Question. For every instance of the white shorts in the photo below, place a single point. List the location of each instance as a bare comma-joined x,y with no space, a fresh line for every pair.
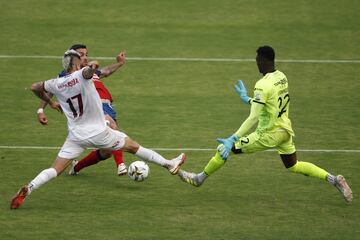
108,139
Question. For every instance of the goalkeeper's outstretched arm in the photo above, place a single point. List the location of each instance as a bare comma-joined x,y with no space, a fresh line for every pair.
251,121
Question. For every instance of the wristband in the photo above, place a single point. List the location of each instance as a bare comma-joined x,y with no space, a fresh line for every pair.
40,110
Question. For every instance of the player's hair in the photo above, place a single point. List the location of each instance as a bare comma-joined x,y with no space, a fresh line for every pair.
266,52
77,46
68,58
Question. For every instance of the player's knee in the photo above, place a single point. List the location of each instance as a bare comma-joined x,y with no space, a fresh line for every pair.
289,160
104,154
130,145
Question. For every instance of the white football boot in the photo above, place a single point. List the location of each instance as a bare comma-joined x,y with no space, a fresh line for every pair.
190,178
72,170
176,163
343,187
122,169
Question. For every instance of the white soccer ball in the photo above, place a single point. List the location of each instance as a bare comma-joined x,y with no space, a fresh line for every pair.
138,171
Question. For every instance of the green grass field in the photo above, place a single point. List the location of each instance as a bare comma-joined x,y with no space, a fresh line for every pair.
184,104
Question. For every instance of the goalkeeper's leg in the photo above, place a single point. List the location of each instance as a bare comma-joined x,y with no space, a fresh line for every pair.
215,163
305,168
309,169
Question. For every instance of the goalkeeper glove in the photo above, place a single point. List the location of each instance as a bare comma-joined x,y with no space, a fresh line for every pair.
242,92
226,145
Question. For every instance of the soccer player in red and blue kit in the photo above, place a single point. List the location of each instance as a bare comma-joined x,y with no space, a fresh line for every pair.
109,111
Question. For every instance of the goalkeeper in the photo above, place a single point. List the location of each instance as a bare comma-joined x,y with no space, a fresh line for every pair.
270,111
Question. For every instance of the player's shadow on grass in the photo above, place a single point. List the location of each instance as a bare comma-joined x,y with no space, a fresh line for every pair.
107,182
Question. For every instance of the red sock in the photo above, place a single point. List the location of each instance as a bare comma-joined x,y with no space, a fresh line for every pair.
118,157
91,159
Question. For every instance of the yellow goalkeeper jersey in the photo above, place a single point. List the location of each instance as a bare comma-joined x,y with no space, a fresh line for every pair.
272,91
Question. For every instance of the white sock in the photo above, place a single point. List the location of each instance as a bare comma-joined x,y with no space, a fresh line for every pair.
331,179
152,156
42,178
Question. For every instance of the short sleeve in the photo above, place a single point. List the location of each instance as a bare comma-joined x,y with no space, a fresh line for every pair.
79,74
260,93
50,86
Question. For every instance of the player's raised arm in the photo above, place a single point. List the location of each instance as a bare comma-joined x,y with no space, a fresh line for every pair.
110,69
242,92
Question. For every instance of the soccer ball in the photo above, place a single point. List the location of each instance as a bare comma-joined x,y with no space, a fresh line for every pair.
138,171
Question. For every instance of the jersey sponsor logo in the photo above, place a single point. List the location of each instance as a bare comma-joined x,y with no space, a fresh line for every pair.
258,89
282,82
71,83
257,96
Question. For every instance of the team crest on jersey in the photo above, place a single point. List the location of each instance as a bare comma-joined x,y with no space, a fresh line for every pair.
257,96
115,144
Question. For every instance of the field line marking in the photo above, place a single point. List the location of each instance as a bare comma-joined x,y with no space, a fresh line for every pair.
183,59
188,149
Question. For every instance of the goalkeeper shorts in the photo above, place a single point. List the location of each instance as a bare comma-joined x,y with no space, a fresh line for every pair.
279,139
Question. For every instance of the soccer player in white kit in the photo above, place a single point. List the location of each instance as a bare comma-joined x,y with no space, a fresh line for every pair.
81,104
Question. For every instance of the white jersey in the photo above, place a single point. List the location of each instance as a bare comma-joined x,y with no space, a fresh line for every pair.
80,103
